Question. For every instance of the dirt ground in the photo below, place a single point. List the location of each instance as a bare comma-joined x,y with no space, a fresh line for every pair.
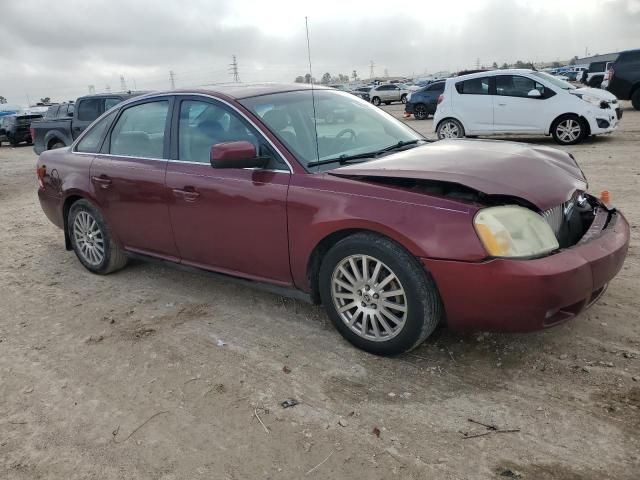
155,373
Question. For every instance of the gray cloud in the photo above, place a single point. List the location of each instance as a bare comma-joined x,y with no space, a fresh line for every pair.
95,42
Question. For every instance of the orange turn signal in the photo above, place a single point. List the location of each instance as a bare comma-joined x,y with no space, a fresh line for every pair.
605,197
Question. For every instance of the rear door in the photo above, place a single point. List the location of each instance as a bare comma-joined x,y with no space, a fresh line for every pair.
514,110
231,220
128,176
473,105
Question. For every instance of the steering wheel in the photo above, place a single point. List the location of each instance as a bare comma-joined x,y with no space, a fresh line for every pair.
344,131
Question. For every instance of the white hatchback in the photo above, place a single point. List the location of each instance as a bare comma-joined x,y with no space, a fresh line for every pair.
525,102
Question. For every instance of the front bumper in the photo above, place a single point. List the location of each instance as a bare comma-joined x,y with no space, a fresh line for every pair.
525,295
603,120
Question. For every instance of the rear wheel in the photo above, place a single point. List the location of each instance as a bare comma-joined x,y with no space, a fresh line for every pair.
635,99
376,101
56,144
568,130
450,128
377,295
420,112
92,241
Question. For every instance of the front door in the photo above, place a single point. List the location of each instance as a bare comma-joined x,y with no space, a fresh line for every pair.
228,220
514,110
129,179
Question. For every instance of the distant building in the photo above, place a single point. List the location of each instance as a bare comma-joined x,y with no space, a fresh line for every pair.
608,57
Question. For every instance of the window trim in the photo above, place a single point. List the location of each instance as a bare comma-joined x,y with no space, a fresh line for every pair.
543,96
174,98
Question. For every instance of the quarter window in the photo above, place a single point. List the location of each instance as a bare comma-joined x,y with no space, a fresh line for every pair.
92,140
474,86
140,130
516,86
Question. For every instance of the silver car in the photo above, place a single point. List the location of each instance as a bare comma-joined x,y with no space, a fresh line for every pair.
389,92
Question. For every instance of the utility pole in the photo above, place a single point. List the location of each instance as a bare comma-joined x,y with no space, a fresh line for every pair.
386,73
123,84
478,63
107,88
172,79
92,89
233,68
371,66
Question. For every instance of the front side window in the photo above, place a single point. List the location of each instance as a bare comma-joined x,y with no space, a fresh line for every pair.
92,140
516,86
109,103
344,125
89,109
140,131
475,86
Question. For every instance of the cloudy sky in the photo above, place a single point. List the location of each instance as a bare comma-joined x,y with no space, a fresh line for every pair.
58,49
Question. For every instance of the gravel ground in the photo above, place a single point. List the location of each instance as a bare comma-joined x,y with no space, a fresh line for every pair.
155,373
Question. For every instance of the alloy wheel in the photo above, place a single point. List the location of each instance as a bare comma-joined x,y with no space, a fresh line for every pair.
449,130
89,238
568,130
369,298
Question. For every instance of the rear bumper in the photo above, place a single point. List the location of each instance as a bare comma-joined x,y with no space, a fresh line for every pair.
526,295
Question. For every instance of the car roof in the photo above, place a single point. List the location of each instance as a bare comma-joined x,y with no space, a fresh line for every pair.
246,90
124,95
492,73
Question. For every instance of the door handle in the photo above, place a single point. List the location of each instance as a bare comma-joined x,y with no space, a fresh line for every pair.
188,193
103,181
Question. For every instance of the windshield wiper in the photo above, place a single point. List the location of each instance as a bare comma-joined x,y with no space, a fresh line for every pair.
342,159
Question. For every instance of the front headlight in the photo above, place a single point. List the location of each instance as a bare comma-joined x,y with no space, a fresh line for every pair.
512,231
591,99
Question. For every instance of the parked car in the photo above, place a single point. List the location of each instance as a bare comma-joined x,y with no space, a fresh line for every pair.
623,77
524,101
423,102
571,75
235,181
15,128
595,73
362,92
61,131
388,93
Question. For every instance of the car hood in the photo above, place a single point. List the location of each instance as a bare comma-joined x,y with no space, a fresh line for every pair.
599,93
545,177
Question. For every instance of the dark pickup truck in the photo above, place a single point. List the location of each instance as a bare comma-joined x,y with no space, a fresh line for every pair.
623,77
63,123
15,128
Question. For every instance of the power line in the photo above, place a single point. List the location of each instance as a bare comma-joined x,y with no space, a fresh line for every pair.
233,68
172,79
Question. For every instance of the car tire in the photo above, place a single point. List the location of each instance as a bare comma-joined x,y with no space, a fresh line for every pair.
92,240
378,327
568,129
595,82
450,128
376,101
420,112
403,98
57,144
635,99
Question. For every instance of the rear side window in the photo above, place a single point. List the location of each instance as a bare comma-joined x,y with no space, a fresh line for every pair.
109,103
92,140
475,86
436,87
597,67
139,132
52,112
89,109
630,57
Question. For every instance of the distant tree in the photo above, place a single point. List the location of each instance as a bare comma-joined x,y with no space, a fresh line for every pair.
45,100
519,64
354,75
504,66
299,79
307,78
326,78
573,60
556,64
494,65
2,99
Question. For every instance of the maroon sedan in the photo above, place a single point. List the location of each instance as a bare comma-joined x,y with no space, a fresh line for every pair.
391,233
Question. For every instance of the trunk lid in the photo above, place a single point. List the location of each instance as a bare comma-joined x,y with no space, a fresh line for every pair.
545,177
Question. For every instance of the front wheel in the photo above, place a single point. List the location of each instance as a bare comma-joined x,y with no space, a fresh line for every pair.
568,130
376,101
450,128
377,295
91,240
403,99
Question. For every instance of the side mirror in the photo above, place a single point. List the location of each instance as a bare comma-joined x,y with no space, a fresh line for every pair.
534,93
236,155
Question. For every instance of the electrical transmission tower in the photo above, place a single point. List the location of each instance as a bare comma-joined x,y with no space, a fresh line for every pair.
233,69
172,79
371,66
123,84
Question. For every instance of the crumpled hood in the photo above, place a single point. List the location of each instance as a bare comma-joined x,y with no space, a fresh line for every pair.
595,92
546,177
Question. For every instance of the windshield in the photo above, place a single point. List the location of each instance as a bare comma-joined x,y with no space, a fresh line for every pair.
346,125
554,80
